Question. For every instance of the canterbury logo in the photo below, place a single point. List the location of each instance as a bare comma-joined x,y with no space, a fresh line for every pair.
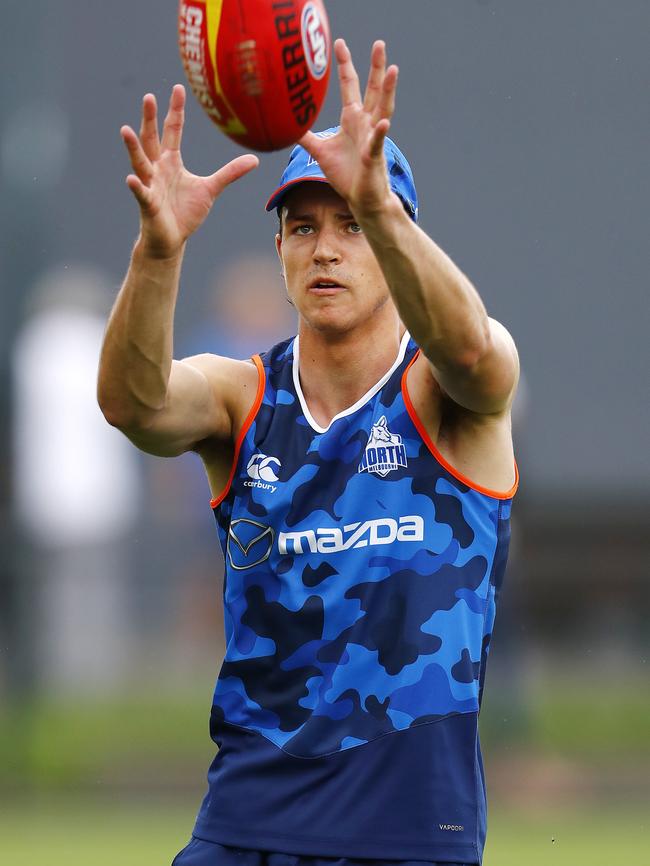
370,533
263,470
261,467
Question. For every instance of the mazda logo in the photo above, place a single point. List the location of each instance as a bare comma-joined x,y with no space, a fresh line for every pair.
249,543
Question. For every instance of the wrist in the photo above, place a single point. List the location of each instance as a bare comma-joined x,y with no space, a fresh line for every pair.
147,250
389,212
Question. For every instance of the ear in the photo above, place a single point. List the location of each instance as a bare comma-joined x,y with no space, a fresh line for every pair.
278,249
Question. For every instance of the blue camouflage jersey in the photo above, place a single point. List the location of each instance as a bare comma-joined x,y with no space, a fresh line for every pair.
361,579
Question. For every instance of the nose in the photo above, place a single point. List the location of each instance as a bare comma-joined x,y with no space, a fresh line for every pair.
326,249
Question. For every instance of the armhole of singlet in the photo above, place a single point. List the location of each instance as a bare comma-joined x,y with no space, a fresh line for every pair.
410,408
261,384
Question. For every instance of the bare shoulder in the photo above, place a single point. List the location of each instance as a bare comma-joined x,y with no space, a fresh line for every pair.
477,445
238,386
207,398
233,383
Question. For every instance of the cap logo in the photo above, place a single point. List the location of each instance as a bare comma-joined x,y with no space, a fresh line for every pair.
314,41
326,133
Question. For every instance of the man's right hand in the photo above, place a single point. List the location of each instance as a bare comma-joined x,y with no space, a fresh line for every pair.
165,406
173,202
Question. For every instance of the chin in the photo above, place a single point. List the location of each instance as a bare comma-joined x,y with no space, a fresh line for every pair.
330,326
333,322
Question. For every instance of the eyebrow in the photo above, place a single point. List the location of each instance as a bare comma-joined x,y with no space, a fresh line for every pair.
309,217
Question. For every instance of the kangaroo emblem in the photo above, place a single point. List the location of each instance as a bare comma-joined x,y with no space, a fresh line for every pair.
384,452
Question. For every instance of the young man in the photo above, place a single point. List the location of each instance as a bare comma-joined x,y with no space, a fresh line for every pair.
362,476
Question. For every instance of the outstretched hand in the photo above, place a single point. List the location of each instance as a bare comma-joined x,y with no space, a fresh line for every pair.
353,159
173,202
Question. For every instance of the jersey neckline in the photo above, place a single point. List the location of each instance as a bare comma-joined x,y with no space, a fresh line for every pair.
360,402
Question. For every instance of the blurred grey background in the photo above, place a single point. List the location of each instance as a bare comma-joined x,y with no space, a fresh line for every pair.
527,127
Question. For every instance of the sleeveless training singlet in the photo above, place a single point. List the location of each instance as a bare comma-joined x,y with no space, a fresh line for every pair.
361,578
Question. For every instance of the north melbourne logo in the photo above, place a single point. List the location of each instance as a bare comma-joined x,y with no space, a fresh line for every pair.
263,470
384,451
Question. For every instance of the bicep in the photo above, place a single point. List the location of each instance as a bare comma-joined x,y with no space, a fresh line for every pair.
489,385
199,405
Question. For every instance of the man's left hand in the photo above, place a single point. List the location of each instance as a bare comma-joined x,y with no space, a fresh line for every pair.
353,159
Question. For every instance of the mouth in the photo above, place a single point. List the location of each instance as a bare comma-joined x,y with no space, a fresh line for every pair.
324,286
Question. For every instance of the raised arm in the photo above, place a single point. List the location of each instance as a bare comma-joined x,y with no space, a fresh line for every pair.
473,357
165,406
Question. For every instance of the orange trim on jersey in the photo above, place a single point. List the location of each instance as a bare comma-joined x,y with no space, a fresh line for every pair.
432,448
244,430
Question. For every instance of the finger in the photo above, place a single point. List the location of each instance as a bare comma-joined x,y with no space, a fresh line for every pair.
375,76
231,172
379,133
149,127
139,190
311,143
139,160
173,125
386,105
348,78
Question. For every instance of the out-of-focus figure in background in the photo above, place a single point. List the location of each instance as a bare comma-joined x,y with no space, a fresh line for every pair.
76,487
93,613
245,314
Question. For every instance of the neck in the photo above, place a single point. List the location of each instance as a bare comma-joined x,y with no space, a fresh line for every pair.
336,371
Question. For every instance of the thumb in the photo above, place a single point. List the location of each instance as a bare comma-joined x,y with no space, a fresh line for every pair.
231,172
311,143
140,191
379,133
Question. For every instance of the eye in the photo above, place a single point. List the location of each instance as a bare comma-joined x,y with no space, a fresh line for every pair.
355,228
304,229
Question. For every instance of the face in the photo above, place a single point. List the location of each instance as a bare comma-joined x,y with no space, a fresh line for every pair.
333,278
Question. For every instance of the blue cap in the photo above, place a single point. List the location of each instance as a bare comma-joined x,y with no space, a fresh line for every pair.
302,167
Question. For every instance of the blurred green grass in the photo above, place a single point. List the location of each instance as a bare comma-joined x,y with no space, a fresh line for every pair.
68,743
141,834
81,779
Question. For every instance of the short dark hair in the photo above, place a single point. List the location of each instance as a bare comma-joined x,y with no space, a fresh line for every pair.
281,212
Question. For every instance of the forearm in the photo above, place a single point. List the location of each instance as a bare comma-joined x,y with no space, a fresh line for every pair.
137,352
435,300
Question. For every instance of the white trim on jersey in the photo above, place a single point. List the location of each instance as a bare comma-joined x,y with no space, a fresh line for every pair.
371,393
